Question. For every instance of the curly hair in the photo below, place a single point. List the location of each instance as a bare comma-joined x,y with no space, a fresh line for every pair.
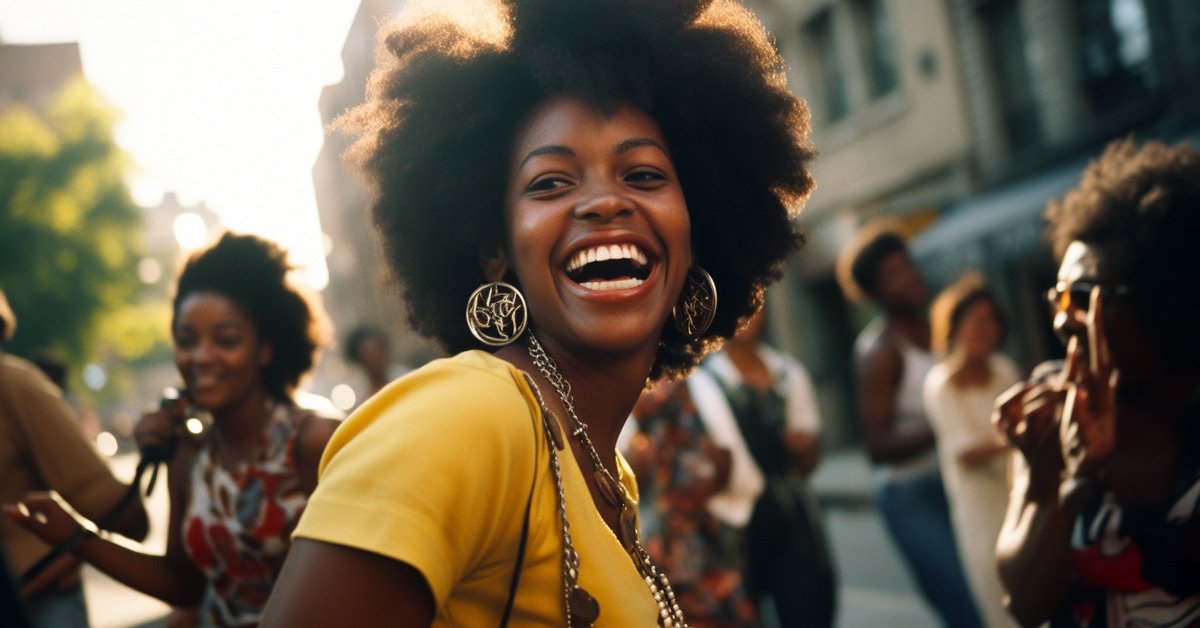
858,262
252,273
948,308
445,105
1146,202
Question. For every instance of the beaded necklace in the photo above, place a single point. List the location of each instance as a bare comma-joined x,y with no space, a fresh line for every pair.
582,608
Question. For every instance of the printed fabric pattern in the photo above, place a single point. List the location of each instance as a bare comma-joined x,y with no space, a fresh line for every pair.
1128,562
683,538
239,523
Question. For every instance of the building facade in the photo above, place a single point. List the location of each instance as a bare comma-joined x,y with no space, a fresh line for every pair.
358,292
961,119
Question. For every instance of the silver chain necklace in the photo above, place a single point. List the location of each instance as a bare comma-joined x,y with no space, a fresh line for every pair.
669,613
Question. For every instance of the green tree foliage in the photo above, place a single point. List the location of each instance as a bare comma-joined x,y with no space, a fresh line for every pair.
70,233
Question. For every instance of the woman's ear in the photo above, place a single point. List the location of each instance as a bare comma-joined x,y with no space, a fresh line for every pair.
494,263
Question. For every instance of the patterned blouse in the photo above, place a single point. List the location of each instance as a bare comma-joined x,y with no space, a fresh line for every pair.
238,525
701,555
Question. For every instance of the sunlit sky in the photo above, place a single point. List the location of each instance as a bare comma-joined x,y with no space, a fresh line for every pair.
218,99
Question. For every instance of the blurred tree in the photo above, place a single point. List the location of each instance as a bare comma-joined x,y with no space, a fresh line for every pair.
70,233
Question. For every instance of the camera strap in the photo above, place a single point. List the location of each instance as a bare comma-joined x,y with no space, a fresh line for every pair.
144,463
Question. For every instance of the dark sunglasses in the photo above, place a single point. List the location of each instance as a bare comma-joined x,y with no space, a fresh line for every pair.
1078,294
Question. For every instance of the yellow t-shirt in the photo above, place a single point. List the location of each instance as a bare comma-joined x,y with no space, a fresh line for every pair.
435,471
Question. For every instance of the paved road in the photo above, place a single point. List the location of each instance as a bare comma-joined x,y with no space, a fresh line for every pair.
875,590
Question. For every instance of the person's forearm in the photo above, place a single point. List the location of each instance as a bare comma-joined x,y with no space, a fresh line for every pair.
1033,551
156,576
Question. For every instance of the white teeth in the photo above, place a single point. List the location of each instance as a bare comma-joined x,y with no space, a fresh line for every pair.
203,380
621,284
606,252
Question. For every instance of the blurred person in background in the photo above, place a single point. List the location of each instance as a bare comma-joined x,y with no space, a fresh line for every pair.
762,404
892,359
679,467
1103,524
960,392
726,456
370,349
244,336
43,449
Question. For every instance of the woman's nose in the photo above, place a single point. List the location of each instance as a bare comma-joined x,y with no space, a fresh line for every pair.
605,202
201,352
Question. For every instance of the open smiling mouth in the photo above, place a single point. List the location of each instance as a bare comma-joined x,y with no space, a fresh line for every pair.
609,267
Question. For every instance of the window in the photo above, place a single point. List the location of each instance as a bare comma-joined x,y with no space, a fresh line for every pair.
875,39
1005,47
827,62
1115,53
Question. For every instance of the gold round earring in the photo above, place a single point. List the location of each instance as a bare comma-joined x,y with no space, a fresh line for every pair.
697,306
496,313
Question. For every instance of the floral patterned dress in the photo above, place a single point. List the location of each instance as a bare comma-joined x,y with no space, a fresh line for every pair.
676,476
237,529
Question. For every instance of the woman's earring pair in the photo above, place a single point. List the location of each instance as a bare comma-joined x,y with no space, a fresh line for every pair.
497,314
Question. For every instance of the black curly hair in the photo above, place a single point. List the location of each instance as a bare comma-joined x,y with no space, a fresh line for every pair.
252,273
1146,201
445,105
858,263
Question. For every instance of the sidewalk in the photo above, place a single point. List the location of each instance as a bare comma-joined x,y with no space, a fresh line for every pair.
874,588
843,478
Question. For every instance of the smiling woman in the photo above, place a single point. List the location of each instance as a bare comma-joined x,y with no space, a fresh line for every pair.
244,337
602,168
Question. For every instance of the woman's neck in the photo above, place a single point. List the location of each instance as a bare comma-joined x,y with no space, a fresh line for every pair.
913,328
967,371
240,425
749,364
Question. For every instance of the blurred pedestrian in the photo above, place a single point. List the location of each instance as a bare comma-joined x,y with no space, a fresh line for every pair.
893,359
1103,524
563,170
369,348
680,467
43,449
960,392
244,336
760,404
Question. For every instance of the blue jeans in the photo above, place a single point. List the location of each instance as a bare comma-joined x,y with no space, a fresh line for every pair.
918,518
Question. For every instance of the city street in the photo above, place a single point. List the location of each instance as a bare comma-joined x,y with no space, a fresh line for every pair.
874,588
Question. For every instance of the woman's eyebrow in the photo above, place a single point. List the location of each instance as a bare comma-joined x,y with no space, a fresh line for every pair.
635,142
549,149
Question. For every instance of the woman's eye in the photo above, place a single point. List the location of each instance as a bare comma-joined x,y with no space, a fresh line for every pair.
184,341
645,177
229,342
547,184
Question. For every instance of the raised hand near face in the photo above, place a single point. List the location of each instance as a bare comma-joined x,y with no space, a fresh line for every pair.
1027,414
1088,430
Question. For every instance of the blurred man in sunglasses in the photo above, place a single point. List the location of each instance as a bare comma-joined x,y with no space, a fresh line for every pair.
1103,524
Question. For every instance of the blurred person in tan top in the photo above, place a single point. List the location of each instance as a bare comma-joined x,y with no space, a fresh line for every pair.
41,449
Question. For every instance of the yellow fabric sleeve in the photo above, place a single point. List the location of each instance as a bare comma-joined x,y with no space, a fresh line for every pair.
433,471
